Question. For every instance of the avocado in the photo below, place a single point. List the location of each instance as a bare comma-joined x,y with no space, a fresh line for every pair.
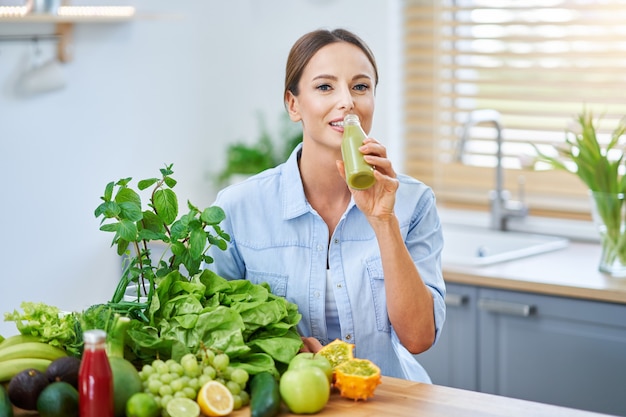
25,387
6,408
59,399
64,369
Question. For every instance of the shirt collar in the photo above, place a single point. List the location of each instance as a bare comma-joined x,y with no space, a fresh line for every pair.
293,202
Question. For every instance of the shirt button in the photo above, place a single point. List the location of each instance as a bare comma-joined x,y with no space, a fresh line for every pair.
338,285
348,336
336,241
317,294
320,248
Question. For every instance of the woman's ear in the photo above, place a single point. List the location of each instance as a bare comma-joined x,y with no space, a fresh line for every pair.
291,104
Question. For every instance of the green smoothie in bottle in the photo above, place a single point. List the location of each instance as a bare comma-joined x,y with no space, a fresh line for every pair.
359,174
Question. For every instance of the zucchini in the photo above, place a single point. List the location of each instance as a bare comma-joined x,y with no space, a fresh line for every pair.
264,395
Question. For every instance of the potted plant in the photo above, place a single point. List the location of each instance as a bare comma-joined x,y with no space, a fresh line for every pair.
244,159
601,169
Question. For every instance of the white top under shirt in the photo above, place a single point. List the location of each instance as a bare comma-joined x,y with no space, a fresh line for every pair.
333,328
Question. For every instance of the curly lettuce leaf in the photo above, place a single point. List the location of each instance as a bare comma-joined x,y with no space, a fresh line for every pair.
50,325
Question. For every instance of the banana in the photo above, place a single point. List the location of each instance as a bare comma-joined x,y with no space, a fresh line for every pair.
17,339
12,367
33,350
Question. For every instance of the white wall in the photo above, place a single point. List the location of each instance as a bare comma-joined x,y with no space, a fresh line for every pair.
141,94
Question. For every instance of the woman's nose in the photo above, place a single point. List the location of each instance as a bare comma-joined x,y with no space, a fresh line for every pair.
346,101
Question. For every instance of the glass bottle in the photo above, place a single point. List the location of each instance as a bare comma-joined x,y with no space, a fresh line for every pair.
359,174
95,379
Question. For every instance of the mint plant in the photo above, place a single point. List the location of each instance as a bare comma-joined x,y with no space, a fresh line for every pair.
187,238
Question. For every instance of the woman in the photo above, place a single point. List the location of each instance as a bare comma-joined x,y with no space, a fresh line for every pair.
362,266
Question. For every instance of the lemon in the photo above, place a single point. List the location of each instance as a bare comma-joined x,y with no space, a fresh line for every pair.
182,407
142,404
215,399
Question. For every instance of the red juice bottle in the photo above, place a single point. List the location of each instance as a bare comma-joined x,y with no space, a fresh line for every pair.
95,379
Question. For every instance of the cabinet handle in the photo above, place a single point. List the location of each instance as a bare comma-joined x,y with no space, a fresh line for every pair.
456,300
505,307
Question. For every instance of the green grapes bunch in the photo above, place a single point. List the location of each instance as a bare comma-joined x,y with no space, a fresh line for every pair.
169,379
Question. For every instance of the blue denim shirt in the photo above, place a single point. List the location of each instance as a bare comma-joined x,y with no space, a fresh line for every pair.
278,238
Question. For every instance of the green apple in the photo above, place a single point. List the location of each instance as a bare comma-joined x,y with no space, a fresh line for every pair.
306,359
304,390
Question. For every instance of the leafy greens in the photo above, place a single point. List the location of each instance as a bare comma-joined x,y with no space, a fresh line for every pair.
244,320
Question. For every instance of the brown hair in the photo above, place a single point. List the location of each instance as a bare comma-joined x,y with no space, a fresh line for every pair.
303,50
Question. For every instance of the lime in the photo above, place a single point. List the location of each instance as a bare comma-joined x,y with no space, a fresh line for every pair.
182,407
142,404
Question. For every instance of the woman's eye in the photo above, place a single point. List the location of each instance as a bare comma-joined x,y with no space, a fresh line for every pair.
361,87
324,87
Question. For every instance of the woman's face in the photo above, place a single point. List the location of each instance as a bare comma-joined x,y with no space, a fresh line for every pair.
339,79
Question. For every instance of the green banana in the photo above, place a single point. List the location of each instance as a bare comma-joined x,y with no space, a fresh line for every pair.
12,367
17,339
33,350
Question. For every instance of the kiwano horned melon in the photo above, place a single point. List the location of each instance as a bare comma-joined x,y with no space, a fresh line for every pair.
337,352
357,379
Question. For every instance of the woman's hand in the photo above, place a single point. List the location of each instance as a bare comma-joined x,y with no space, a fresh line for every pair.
311,344
376,202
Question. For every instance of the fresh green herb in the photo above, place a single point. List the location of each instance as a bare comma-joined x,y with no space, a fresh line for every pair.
187,238
186,313
50,325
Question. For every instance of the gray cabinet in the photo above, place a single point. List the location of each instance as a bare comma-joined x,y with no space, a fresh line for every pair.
541,348
452,361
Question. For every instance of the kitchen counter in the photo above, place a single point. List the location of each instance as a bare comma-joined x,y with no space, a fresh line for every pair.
401,398
569,272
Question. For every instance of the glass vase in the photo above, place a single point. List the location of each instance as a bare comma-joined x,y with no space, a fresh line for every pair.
609,215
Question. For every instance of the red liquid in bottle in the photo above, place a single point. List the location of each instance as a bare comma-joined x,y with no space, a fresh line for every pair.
95,380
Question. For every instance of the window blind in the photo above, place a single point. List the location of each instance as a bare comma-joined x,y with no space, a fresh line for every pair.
538,63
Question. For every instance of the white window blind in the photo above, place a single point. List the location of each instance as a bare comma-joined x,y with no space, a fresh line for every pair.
538,63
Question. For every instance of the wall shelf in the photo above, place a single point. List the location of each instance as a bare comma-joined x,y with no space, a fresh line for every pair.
64,21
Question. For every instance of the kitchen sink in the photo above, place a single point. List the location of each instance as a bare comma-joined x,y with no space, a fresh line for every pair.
479,246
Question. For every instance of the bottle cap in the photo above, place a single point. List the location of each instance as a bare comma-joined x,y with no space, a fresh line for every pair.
94,336
351,118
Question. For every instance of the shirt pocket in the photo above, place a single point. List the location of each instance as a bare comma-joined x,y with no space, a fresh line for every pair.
277,282
377,284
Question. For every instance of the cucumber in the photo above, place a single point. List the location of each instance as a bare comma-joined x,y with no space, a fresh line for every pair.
264,395
6,408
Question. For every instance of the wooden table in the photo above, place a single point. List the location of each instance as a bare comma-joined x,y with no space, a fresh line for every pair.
401,398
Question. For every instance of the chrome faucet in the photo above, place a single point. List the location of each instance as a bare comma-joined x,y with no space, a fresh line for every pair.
502,208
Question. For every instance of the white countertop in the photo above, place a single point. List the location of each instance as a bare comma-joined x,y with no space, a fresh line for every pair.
569,272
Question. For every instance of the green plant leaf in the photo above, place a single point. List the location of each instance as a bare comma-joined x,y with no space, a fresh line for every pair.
213,215
180,228
130,211
108,209
110,227
166,205
197,243
127,230
108,191
171,182
143,184
127,195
